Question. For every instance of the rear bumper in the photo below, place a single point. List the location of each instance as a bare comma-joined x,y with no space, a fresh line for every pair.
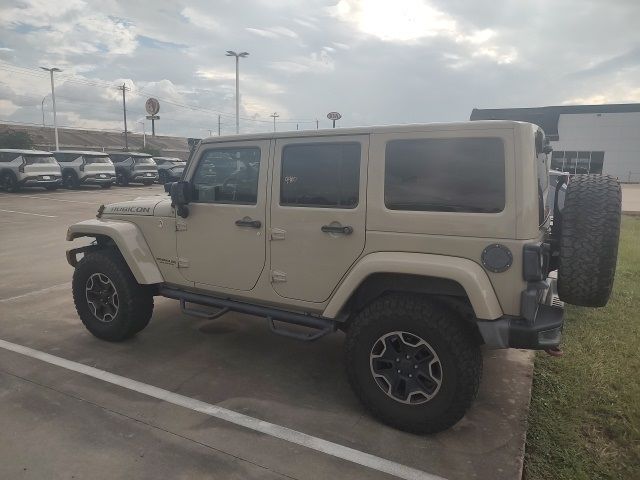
98,178
143,177
40,180
540,331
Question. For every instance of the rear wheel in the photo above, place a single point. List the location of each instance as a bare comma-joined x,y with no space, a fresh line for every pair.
413,363
590,230
105,185
112,305
70,180
9,182
51,187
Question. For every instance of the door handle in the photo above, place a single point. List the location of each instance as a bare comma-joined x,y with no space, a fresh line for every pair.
247,222
346,230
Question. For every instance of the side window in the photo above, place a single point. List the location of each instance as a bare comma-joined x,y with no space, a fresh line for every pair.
228,175
325,175
8,157
445,175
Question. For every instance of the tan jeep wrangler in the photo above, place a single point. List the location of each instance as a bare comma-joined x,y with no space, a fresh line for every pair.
421,242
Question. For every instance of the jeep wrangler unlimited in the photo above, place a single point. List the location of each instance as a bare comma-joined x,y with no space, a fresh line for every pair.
421,242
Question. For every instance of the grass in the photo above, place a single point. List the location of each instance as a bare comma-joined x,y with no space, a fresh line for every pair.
584,421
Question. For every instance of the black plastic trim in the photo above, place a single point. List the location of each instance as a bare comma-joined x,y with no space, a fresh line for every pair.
525,334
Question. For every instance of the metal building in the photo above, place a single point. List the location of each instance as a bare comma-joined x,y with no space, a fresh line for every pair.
585,138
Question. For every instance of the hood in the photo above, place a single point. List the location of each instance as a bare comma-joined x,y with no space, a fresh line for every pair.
142,206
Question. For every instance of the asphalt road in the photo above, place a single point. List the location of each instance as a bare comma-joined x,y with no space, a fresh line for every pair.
62,422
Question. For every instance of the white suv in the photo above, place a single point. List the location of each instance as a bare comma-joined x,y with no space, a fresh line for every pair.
134,167
32,168
85,168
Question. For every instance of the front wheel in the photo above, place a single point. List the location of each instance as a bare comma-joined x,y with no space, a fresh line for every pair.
112,305
413,363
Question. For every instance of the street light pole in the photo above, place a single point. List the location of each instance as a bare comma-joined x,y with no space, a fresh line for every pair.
274,115
144,135
231,53
53,99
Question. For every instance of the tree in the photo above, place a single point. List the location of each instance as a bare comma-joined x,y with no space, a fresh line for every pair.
11,139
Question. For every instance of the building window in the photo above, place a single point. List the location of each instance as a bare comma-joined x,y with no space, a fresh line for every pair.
577,162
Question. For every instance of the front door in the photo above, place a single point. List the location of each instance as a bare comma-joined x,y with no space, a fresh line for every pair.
222,242
318,211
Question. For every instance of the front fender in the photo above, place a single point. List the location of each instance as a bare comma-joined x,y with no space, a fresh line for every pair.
467,273
129,240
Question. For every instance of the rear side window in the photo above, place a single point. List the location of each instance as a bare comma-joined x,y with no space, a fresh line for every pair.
6,157
325,175
89,159
34,159
445,175
144,160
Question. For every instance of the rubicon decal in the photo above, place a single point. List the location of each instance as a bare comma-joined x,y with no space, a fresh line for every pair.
128,210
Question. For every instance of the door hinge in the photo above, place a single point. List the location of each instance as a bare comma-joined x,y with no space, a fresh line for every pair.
278,277
183,263
278,234
181,226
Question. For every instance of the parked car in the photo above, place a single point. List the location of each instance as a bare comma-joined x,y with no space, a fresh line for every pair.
85,168
28,168
421,242
169,168
134,167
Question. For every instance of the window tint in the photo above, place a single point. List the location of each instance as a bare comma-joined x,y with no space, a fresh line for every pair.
144,161
228,175
320,175
119,157
8,156
445,175
89,159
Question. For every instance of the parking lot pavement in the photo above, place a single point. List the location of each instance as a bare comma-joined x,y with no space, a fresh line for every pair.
60,423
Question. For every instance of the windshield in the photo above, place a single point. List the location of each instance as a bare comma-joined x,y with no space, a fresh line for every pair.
144,160
89,159
34,159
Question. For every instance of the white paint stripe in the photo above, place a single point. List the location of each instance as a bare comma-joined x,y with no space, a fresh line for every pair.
28,213
284,433
48,199
36,292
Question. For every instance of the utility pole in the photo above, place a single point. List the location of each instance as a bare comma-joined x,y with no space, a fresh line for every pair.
219,125
124,88
53,99
231,53
274,115
317,124
42,107
297,127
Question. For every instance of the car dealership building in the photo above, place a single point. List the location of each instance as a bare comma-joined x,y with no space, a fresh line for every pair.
585,138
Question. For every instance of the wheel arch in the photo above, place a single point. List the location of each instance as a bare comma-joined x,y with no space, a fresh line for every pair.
129,241
439,275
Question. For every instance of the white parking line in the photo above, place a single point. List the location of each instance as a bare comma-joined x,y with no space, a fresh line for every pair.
56,199
36,292
28,213
283,433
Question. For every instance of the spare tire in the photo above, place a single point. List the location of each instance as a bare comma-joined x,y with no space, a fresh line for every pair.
589,235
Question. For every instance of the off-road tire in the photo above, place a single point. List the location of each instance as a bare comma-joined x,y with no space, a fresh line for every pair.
448,335
9,182
70,180
106,185
135,300
589,240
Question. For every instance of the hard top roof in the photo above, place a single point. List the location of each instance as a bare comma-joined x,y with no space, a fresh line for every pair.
405,128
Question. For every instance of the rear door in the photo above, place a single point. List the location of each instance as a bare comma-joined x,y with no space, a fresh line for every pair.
318,212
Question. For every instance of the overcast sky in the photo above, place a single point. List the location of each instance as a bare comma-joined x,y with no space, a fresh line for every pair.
374,61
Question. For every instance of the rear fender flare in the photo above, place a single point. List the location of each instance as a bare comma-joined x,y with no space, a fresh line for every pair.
129,240
466,272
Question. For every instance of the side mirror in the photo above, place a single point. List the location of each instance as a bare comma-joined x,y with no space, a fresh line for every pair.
180,193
